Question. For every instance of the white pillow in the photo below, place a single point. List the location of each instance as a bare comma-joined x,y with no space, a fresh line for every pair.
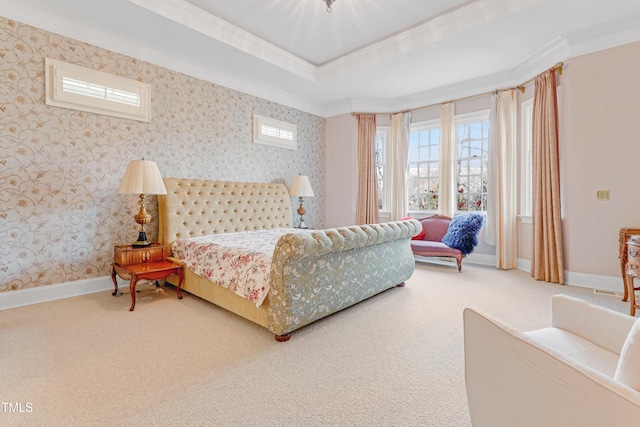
628,370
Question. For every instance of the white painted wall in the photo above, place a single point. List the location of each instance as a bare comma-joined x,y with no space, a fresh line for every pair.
599,101
600,148
342,170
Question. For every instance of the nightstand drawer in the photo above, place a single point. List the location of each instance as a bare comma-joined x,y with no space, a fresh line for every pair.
128,255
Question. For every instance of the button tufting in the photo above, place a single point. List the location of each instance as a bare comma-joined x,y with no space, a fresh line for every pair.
247,206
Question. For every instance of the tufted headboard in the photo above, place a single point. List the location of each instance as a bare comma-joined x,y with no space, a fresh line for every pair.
198,207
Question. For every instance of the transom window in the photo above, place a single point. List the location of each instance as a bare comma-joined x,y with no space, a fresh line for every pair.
80,87
472,150
84,89
423,183
269,131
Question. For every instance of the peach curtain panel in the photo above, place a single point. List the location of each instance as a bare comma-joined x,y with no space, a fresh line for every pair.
502,211
547,262
367,193
446,206
400,135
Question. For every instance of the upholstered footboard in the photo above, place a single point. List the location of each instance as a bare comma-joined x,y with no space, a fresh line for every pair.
316,274
313,274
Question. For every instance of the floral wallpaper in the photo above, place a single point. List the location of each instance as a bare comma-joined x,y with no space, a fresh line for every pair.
60,214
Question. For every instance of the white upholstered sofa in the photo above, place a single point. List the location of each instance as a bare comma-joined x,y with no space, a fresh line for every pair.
584,370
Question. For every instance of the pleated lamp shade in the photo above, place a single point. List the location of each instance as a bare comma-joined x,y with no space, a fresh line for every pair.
300,186
142,177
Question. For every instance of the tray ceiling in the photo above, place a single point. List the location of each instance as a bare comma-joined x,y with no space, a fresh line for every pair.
372,55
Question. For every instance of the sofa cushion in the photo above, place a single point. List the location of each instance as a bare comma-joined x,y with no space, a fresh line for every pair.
463,232
589,321
628,369
576,347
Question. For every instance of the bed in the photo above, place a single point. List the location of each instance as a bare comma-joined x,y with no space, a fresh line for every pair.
313,274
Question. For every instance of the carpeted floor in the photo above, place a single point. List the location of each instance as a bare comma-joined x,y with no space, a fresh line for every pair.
394,360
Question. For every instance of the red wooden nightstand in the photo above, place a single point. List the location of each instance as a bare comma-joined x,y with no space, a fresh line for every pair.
135,263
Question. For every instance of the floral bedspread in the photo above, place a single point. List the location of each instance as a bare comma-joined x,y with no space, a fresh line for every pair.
239,261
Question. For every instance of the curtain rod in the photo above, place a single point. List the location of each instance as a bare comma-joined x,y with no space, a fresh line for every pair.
557,68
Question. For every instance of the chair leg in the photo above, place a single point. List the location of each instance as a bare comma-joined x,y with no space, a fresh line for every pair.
631,294
459,260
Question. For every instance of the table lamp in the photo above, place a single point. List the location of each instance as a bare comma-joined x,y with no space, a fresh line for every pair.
142,177
301,187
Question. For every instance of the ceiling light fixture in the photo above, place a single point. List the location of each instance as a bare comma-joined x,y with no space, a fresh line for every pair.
328,3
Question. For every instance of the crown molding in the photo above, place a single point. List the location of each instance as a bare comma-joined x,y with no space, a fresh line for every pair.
612,34
462,19
199,20
560,50
54,19
58,21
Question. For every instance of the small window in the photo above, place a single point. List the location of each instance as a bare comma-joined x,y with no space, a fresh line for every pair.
274,132
84,89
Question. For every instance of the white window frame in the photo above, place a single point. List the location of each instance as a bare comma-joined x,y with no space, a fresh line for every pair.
417,127
460,119
385,133
134,102
526,158
268,131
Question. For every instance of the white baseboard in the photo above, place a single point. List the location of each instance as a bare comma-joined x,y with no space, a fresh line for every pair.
524,265
436,260
22,297
474,258
582,280
594,281
482,259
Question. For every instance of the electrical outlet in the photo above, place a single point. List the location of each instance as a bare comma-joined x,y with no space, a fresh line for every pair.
602,195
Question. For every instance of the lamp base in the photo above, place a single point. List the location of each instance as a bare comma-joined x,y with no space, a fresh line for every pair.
142,240
142,218
301,212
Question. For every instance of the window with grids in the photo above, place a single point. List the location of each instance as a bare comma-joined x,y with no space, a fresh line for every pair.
472,156
423,181
383,134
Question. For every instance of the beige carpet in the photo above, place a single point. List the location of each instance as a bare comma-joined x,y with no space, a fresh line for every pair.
394,360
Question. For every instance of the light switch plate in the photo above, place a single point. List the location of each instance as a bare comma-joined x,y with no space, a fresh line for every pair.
602,195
